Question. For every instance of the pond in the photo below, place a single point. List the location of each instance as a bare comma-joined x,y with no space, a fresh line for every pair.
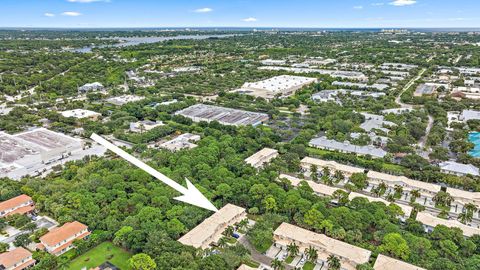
474,137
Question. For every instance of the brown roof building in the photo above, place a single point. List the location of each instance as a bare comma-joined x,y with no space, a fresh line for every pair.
60,240
17,259
18,205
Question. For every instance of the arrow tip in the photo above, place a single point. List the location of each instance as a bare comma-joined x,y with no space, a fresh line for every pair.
195,197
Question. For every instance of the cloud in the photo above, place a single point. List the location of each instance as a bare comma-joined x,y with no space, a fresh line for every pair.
377,4
401,3
358,7
250,19
87,1
203,10
48,14
71,13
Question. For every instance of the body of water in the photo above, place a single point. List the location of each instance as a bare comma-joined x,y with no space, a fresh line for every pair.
474,137
132,41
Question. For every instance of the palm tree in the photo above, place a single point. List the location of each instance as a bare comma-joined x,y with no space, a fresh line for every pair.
326,171
333,262
470,208
398,191
314,172
276,264
390,198
339,176
442,198
229,231
415,194
464,217
222,242
312,254
341,196
293,249
243,224
382,188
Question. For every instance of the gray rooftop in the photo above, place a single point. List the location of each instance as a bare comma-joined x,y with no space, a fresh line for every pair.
324,143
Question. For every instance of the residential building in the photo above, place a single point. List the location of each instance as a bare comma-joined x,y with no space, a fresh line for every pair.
210,230
60,240
375,86
124,99
145,125
466,92
374,121
225,116
397,110
273,62
341,74
279,86
16,259
350,256
89,87
387,263
459,169
430,222
245,267
22,204
347,147
333,166
81,114
262,157
333,95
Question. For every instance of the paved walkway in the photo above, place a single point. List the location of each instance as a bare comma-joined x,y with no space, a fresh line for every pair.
257,256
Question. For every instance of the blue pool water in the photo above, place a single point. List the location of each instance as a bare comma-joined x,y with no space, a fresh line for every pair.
474,137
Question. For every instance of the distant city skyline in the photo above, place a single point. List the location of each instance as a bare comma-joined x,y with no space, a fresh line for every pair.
240,13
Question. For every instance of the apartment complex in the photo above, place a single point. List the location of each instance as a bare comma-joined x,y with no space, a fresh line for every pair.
210,230
346,147
386,263
262,157
430,222
350,256
60,240
17,259
22,204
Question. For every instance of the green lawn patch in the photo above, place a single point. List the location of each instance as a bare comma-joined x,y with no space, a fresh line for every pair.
231,240
289,259
308,266
264,246
106,251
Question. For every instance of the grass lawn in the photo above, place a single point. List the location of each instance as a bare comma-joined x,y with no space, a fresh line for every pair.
289,259
264,246
308,266
106,251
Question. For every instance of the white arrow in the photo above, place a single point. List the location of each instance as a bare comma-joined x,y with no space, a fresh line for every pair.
191,194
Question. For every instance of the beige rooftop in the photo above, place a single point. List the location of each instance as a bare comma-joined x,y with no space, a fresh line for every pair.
433,221
386,263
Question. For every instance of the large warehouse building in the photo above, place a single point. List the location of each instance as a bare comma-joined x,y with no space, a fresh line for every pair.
225,116
279,86
28,153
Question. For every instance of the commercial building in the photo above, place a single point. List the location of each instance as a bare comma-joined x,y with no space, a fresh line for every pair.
89,87
374,121
29,152
262,157
459,169
225,116
341,74
397,66
350,256
430,222
16,259
273,62
146,125
333,95
184,141
375,86
466,92
347,147
122,100
386,263
279,86
22,204
424,89
60,240
210,230
397,110
81,114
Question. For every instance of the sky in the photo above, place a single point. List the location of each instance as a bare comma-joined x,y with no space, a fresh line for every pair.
240,13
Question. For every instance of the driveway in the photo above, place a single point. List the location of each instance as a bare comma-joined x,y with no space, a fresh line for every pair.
257,256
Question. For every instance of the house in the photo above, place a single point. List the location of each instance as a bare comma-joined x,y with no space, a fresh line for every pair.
17,259
262,157
22,204
145,125
430,222
60,240
459,169
210,230
350,256
386,263
89,87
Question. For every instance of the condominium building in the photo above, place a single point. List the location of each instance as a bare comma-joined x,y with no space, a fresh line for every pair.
386,263
17,259
210,230
22,204
350,256
430,222
60,240
346,147
262,157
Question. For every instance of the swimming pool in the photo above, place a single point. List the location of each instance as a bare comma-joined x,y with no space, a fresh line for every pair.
474,137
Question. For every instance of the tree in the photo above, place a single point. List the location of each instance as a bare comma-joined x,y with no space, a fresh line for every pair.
341,196
313,218
333,262
276,264
394,245
22,240
142,261
223,242
229,231
312,254
360,180
414,195
3,247
314,172
270,204
293,249
442,199
398,191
